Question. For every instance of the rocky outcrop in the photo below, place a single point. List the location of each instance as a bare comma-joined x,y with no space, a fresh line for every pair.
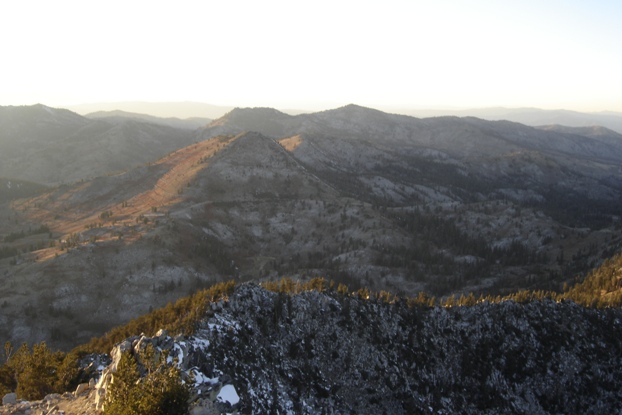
211,390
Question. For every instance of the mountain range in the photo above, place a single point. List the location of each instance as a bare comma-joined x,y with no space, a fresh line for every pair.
143,213
122,116
529,116
534,116
181,110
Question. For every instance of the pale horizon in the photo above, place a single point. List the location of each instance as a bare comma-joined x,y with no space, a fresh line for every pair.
83,108
311,56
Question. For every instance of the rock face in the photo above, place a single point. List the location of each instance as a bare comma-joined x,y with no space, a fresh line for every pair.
212,391
263,352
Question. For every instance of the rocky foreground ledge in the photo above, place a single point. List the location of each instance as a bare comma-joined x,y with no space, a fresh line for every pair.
314,352
209,395
80,402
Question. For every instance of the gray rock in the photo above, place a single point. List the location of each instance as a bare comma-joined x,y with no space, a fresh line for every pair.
162,333
9,399
52,397
81,388
52,410
204,407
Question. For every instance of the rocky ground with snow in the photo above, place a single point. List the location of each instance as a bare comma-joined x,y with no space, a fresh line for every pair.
318,352
311,353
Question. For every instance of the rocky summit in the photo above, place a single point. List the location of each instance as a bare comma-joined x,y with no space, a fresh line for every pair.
324,352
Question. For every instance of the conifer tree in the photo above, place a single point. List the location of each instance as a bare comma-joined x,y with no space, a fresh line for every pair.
36,372
160,392
121,396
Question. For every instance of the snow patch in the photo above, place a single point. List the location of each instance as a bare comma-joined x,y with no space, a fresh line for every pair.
228,394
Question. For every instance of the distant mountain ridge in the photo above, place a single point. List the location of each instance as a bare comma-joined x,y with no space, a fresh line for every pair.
528,116
460,137
117,115
52,146
597,132
181,110
534,116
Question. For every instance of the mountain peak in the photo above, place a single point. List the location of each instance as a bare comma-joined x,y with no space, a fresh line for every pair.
354,108
28,115
355,112
254,112
267,120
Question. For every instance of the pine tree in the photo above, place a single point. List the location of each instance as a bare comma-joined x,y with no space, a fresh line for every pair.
36,372
160,392
121,395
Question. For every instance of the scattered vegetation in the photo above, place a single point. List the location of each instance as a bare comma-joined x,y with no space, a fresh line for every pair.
8,251
107,214
433,235
159,392
602,288
180,317
14,236
34,373
15,189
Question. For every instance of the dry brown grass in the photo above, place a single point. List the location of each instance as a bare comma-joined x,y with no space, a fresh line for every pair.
290,144
74,210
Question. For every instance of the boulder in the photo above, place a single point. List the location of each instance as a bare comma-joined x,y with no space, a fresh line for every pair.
9,399
81,388
118,350
162,333
52,397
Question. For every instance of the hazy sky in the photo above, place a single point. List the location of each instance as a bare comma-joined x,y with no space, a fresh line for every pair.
315,54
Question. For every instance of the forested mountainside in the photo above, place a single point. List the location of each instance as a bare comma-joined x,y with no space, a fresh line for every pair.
443,205
11,189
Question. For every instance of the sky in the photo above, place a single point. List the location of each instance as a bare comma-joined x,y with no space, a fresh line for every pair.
315,54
